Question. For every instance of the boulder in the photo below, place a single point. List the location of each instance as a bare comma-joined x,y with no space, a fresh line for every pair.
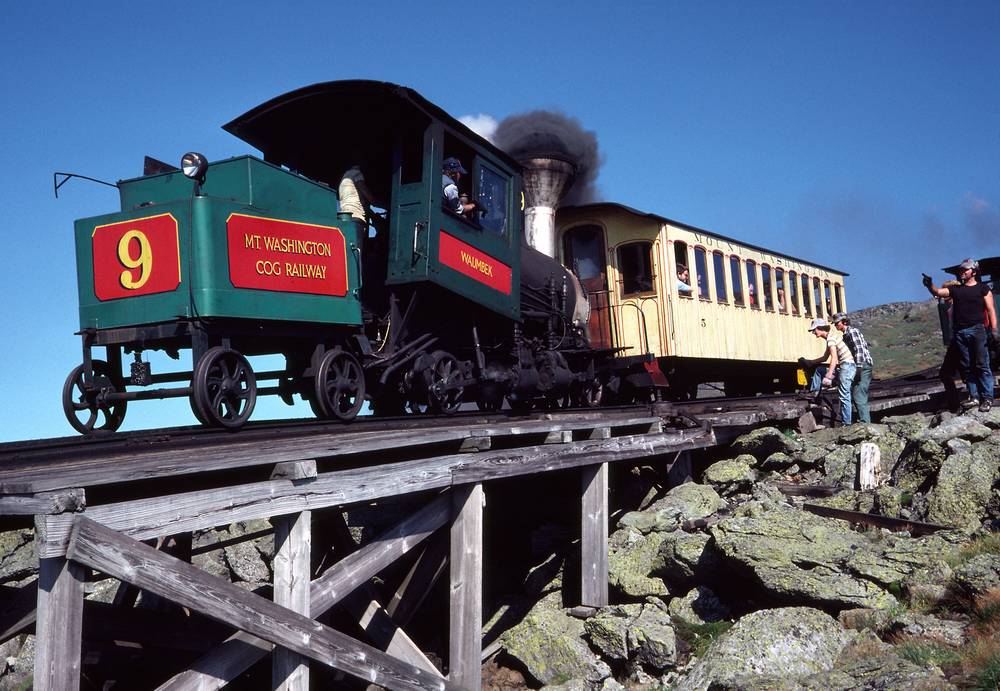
686,502
799,558
632,557
699,606
961,427
549,644
779,461
893,559
731,476
685,559
841,466
762,442
964,487
18,560
978,575
918,464
608,630
651,639
774,643
246,559
907,426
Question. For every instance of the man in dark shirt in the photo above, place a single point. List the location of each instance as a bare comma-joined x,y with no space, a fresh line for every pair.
967,350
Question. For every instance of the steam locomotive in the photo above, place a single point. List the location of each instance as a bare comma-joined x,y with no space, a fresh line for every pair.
251,256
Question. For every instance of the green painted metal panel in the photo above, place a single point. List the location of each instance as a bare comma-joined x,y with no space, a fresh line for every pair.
246,187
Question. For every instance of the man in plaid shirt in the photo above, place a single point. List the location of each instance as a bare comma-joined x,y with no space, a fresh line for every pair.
858,346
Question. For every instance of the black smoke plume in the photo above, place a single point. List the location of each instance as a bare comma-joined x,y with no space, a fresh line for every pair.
551,134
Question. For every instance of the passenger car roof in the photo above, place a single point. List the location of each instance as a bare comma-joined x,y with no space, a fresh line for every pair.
322,130
696,229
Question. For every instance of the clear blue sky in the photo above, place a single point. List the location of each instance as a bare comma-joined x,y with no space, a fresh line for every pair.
860,135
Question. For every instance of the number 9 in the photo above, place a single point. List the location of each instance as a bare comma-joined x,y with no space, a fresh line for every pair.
144,262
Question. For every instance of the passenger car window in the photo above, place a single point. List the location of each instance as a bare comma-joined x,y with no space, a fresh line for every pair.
839,296
829,301
779,284
635,265
737,277
493,194
752,297
817,297
765,285
793,291
806,300
719,264
701,271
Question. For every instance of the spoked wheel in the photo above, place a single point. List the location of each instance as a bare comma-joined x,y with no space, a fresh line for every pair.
87,407
340,385
587,394
521,406
443,380
224,388
489,403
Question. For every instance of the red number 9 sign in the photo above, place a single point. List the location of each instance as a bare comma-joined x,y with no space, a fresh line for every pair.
137,257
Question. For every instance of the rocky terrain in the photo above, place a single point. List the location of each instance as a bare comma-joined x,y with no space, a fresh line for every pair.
726,581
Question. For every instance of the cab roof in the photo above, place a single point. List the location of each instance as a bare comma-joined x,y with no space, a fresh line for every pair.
322,130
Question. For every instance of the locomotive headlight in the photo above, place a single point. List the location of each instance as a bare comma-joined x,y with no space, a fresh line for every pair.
194,165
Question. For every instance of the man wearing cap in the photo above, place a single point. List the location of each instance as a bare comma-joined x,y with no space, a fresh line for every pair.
858,346
836,359
452,172
967,349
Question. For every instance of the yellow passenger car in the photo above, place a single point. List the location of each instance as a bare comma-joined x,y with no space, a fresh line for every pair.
743,320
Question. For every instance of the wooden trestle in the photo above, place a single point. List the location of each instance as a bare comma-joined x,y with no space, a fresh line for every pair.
142,494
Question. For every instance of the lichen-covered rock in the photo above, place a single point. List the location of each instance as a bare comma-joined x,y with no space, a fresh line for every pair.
632,557
961,426
888,501
918,464
245,559
978,574
927,627
699,606
774,643
862,432
18,560
892,559
907,426
608,630
841,466
878,671
731,476
762,442
549,643
686,502
779,460
800,558
685,559
964,487
651,639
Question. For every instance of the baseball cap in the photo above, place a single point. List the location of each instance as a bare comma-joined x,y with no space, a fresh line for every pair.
969,264
838,317
453,163
818,324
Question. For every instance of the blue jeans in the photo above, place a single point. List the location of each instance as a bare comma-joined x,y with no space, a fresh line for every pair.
967,355
845,378
859,392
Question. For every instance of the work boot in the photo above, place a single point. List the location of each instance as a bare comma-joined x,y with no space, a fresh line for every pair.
985,405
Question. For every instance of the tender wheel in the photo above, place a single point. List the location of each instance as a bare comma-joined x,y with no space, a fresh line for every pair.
86,407
443,383
224,388
340,385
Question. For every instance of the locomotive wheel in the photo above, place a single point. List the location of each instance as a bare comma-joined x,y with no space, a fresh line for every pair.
444,392
340,385
489,404
521,406
224,388
78,398
587,394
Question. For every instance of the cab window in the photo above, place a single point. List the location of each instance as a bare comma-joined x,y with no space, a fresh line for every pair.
635,265
737,277
492,194
583,247
719,264
701,273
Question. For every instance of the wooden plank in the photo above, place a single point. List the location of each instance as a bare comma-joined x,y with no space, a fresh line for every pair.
915,528
74,499
383,632
594,536
465,648
116,555
217,667
292,541
156,516
417,584
17,611
58,630
38,474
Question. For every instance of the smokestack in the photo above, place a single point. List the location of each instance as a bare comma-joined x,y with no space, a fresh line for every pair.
546,180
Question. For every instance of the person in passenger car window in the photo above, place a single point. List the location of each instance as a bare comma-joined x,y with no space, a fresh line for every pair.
683,280
452,172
